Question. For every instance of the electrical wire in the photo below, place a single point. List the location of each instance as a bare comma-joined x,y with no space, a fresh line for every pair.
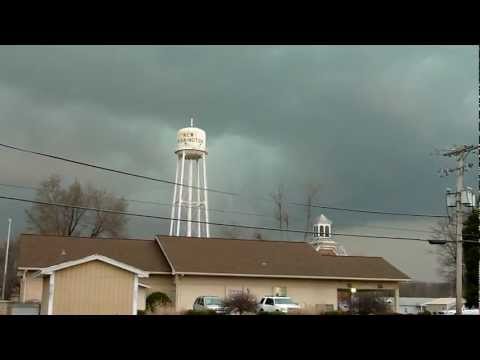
222,224
144,177
20,186
236,212
153,202
370,211
110,169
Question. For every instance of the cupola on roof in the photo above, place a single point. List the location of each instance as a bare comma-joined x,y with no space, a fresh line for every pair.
322,219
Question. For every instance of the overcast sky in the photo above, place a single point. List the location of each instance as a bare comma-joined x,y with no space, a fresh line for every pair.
361,121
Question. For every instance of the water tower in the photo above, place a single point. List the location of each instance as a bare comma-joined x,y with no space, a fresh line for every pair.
191,152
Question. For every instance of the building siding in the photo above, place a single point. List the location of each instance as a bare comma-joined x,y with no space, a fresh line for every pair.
160,283
31,288
433,308
93,288
45,293
141,298
307,292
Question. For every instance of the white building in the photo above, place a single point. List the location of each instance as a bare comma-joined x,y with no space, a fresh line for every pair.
412,305
440,305
435,306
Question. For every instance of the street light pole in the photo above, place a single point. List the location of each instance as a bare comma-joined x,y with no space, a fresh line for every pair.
352,294
6,259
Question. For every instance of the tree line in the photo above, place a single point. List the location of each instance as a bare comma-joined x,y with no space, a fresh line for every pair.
447,254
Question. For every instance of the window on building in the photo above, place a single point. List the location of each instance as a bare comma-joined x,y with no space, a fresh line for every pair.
280,291
233,292
329,307
327,231
321,230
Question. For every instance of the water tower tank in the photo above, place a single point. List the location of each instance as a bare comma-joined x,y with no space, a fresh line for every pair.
192,141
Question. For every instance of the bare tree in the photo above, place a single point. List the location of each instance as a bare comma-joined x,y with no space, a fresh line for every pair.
241,303
425,289
66,221
311,192
281,211
372,302
285,219
447,253
102,222
54,219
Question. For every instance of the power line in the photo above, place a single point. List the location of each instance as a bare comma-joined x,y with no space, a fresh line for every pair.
240,212
152,202
144,177
109,169
236,212
371,211
219,224
209,209
20,186
387,228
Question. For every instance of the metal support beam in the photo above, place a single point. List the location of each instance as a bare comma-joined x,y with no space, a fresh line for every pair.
205,195
189,210
172,214
180,201
199,205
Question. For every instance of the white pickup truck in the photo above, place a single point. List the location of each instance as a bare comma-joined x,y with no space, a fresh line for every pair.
276,303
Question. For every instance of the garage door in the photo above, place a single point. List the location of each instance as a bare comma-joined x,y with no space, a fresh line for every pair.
24,309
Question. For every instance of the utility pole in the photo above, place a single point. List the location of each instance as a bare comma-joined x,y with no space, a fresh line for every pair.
460,153
459,211
6,259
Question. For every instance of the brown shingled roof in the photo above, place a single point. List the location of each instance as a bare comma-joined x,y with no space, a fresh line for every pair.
272,258
39,251
206,256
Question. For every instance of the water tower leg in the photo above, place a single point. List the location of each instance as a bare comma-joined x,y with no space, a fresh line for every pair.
205,195
180,204
190,179
172,214
199,229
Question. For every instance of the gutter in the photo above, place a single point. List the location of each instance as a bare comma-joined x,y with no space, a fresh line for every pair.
165,254
293,276
24,278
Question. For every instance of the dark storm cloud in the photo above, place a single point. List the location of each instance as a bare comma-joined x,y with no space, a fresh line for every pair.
360,120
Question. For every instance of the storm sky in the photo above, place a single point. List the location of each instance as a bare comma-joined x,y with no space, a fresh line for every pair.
360,121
